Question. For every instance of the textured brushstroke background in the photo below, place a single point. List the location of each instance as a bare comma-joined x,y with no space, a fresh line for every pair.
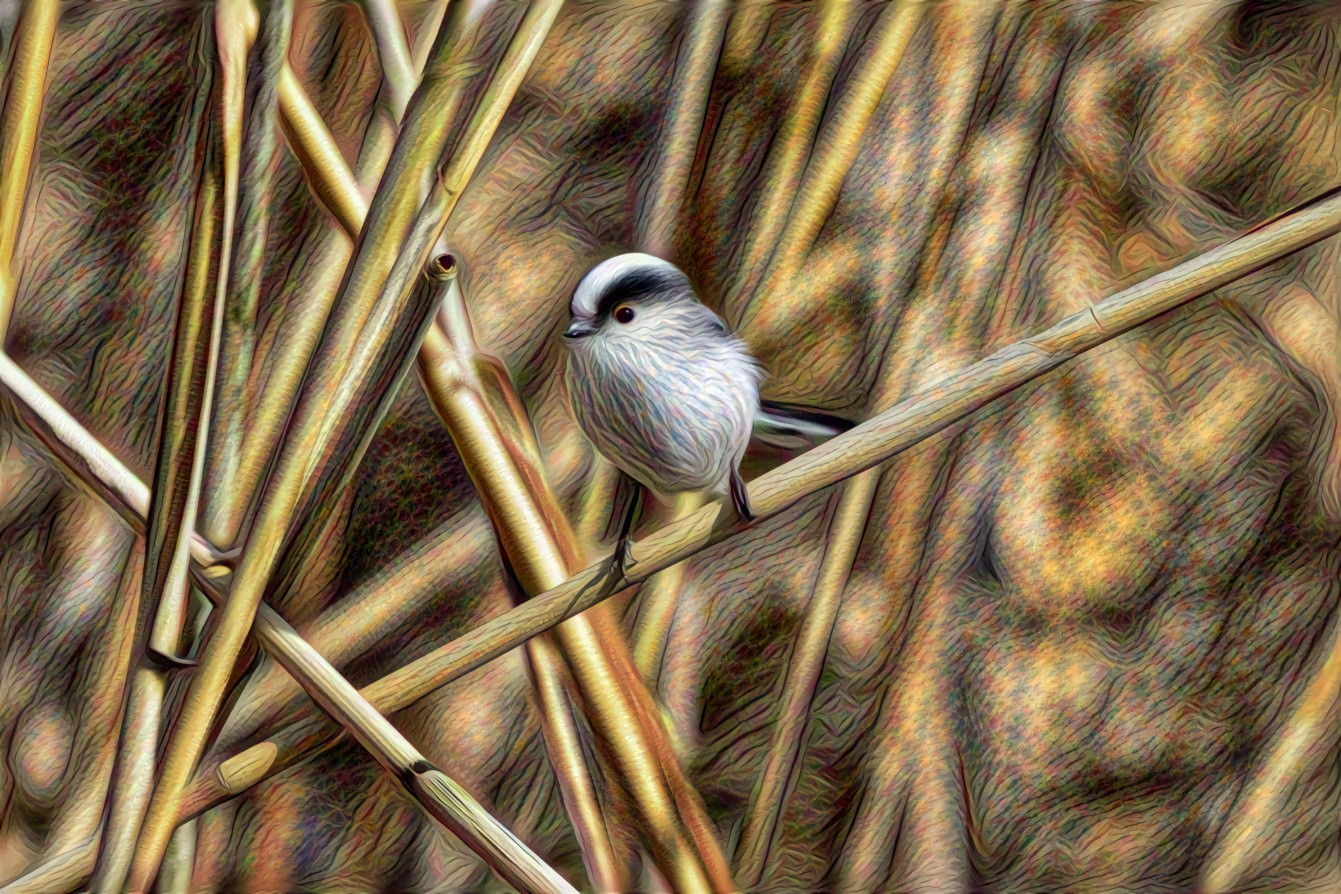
1076,623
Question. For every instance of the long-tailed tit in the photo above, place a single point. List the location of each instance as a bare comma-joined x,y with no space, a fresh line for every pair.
664,391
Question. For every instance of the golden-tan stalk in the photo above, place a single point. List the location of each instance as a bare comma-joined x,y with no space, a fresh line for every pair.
400,75
65,871
684,117
311,142
510,431
34,36
1254,819
787,158
869,444
816,194
315,289
236,23
768,800
428,29
345,394
172,518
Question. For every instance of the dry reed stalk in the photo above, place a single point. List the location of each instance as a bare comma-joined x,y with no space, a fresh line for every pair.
178,471
833,156
768,800
659,596
237,23
319,444
814,201
537,555
274,403
787,156
249,146
394,330
564,744
873,442
314,147
179,861
1253,821
509,434
427,29
399,74
64,872
315,674
33,39
683,125
407,587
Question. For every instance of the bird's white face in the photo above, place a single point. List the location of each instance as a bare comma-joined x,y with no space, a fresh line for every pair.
635,298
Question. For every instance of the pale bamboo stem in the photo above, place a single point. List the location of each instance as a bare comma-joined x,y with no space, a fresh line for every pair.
18,134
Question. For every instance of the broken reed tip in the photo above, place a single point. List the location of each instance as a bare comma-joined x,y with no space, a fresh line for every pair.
443,267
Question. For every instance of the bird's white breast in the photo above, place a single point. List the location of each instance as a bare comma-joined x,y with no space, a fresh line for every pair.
677,417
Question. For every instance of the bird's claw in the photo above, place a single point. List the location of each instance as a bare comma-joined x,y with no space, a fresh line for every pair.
619,559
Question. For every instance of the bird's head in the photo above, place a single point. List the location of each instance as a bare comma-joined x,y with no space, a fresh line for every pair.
636,296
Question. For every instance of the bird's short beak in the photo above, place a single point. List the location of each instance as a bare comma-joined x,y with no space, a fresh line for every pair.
579,329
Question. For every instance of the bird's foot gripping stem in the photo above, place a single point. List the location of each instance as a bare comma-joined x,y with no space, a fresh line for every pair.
740,497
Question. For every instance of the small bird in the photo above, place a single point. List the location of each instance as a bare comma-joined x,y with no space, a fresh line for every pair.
663,389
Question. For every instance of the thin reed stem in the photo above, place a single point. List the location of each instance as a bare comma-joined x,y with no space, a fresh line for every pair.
833,156
178,472
768,800
18,134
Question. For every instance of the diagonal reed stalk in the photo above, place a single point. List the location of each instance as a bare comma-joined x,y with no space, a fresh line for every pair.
249,145
314,293
926,412
768,799
683,125
815,199
399,74
618,706
326,686
1253,822
178,471
830,162
787,157
503,428
250,142
314,147
34,36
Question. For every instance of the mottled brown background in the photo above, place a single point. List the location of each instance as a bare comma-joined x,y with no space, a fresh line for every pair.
1077,621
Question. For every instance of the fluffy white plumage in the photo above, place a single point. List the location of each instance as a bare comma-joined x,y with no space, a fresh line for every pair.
663,390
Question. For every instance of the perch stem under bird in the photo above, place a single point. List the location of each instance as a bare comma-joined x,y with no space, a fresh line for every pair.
665,392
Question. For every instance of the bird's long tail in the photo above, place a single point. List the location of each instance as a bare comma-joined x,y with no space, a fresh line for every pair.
789,427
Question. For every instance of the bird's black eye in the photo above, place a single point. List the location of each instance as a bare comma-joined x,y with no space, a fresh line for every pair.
624,314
